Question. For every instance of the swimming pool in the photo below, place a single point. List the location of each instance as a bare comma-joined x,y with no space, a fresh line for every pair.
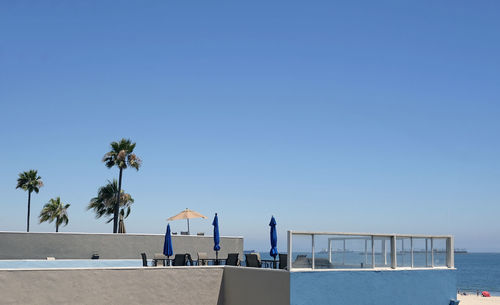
69,263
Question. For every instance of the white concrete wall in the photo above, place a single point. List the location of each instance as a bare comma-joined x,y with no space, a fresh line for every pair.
213,285
22,245
255,286
148,286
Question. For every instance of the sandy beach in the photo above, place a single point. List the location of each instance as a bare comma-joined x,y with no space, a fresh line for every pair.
475,300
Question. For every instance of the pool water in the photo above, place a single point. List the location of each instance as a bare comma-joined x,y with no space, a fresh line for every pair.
69,263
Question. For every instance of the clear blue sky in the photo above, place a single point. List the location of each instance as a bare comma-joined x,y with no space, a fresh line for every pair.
379,116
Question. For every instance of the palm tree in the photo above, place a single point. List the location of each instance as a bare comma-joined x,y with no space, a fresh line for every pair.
55,210
104,203
31,182
121,155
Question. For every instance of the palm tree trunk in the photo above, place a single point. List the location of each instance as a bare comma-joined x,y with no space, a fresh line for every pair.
117,204
57,224
29,207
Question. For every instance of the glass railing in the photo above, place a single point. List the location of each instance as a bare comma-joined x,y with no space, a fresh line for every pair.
334,250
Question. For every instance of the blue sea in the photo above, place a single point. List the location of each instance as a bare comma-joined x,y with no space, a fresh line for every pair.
478,271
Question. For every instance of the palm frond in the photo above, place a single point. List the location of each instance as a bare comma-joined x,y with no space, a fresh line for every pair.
103,204
55,210
29,181
121,155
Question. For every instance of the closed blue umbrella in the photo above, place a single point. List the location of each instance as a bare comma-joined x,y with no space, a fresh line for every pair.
167,246
274,239
215,223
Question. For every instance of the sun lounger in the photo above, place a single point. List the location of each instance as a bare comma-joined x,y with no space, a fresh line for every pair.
160,259
144,260
232,259
202,259
179,260
283,261
189,259
252,260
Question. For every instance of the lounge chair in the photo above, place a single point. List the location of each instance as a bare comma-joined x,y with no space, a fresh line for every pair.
232,259
144,260
202,259
252,260
184,233
200,234
283,261
160,259
179,260
302,261
189,259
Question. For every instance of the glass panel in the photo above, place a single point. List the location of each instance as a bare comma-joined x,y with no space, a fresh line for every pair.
439,252
419,255
322,258
403,246
382,252
350,251
301,251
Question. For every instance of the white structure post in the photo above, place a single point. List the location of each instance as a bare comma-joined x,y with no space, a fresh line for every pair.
289,242
432,252
373,251
394,262
384,251
313,256
450,252
366,251
330,250
426,253
411,251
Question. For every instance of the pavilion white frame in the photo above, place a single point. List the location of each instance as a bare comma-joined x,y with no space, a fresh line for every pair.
367,237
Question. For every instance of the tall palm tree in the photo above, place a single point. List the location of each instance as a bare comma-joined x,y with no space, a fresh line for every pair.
31,182
122,156
104,203
55,210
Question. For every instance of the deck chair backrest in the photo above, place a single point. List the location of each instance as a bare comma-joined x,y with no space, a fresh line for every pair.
232,259
144,260
252,260
179,260
283,261
189,259
202,259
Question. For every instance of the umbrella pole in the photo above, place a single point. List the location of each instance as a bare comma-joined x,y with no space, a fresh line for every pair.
188,227
216,257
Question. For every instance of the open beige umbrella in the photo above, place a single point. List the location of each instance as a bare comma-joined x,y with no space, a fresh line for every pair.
187,214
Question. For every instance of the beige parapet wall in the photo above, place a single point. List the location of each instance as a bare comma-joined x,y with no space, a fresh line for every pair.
151,285
254,286
22,245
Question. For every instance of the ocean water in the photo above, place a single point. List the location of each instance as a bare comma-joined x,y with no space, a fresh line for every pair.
69,263
478,271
